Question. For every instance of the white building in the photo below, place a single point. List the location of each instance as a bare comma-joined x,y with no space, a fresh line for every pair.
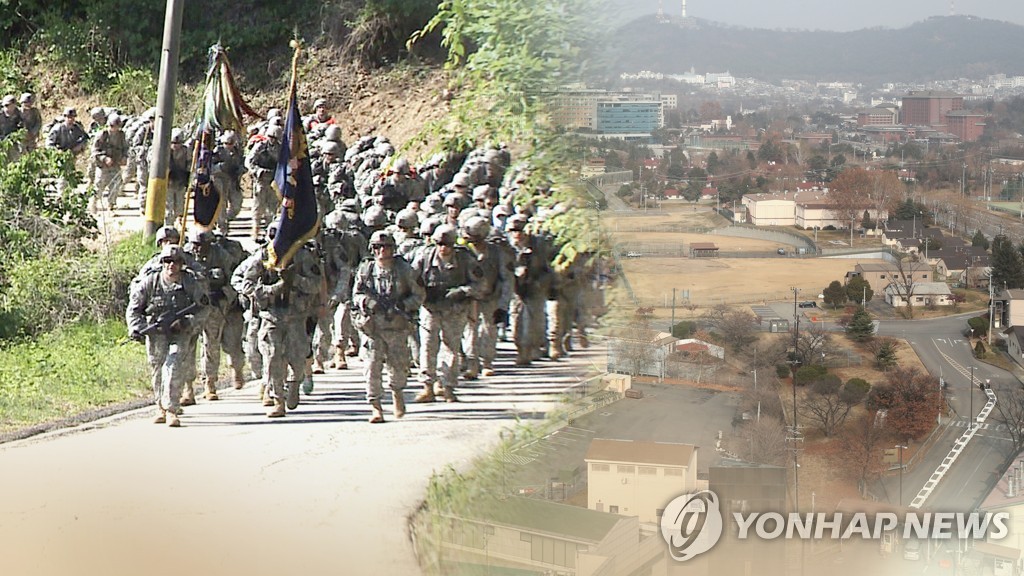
635,478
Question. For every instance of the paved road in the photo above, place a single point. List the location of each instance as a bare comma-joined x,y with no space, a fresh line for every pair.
231,492
318,492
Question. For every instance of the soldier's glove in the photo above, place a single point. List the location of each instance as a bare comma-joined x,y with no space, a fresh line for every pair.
458,294
501,317
179,325
136,336
371,306
521,271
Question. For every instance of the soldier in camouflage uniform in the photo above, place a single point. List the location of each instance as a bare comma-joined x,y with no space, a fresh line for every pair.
110,153
32,119
385,291
218,265
346,248
228,167
165,297
140,142
261,163
285,299
449,276
494,286
530,291
178,175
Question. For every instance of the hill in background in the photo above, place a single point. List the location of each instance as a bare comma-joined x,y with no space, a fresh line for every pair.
939,48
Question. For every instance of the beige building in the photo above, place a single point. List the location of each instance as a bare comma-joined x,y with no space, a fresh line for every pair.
921,294
1009,309
880,275
635,478
1002,557
806,208
527,535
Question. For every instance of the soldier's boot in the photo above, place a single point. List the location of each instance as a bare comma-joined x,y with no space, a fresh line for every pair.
161,416
427,395
278,410
239,379
567,343
340,362
438,389
555,349
188,394
318,367
472,369
293,395
398,401
172,420
352,351
211,391
584,343
377,413
487,371
307,385
265,397
255,232
523,359
449,394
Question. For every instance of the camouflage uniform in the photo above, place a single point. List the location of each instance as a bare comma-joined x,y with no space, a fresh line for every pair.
141,141
177,181
261,163
449,287
110,152
33,121
155,295
285,299
228,167
381,300
495,285
530,292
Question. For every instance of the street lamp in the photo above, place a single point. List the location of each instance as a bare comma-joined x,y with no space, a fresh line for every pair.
901,447
970,390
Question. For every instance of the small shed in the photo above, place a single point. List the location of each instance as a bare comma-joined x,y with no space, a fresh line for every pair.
703,250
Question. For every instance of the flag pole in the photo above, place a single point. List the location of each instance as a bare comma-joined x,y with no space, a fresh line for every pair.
190,185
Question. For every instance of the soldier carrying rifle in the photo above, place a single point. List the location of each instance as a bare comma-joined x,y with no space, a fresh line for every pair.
163,310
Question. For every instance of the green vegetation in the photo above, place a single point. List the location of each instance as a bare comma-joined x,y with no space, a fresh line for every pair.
62,373
861,326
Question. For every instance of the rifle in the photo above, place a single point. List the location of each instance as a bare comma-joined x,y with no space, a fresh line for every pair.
164,321
390,306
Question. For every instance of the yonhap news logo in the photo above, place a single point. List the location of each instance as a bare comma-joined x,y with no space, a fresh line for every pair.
692,524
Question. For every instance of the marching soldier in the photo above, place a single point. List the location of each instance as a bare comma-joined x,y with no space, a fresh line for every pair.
385,292
162,309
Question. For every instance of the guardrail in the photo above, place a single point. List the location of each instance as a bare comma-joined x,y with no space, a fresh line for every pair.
958,448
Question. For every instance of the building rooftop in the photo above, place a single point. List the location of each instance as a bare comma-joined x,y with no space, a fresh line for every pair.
638,452
545,517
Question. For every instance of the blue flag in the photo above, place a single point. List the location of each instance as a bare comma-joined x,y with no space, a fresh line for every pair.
293,179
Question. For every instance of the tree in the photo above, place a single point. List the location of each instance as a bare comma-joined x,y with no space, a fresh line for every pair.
902,285
859,290
861,326
885,354
684,329
906,210
849,194
866,222
835,294
762,441
1007,263
635,344
863,445
855,390
1011,413
828,404
737,327
809,374
713,163
813,346
911,400
979,240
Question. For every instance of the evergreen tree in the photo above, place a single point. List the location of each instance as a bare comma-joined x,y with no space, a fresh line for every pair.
861,327
1007,263
859,290
835,294
979,240
906,210
885,358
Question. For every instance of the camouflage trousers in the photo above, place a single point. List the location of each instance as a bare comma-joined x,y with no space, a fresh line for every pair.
175,204
441,345
251,342
108,186
221,330
344,331
323,337
265,203
563,315
387,347
231,203
527,320
142,181
285,345
165,360
481,336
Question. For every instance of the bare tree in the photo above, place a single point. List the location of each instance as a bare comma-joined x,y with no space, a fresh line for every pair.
849,194
827,406
635,344
814,346
903,285
737,327
762,441
1011,413
862,446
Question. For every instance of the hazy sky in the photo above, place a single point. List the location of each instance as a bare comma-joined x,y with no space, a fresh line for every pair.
841,15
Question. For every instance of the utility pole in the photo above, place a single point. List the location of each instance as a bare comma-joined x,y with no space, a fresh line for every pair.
901,447
991,312
672,327
156,196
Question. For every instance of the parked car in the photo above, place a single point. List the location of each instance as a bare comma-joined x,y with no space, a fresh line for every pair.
808,304
781,251
633,254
